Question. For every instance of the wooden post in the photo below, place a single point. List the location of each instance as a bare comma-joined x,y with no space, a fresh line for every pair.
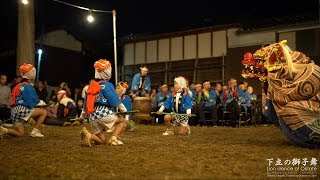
26,33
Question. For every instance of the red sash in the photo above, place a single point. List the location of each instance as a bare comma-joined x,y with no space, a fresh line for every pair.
16,92
92,94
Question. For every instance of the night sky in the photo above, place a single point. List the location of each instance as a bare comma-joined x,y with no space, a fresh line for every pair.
144,17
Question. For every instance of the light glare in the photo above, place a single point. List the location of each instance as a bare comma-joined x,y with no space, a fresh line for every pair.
25,2
90,18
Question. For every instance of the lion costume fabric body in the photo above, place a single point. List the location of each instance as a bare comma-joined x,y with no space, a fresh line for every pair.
292,99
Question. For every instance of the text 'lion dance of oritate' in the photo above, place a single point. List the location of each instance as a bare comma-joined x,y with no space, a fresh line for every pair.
292,97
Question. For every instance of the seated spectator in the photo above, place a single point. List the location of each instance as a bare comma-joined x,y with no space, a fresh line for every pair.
192,87
162,96
208,103
53,99
67,108
218,89
171,89
52,118
235,84
230,102
76,94
15,81
198,89
41,91
5,98
224,88
153,98
63,86
49,89
244,99
250,91
79,106
193,94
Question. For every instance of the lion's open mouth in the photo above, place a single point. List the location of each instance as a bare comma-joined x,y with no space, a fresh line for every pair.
253,68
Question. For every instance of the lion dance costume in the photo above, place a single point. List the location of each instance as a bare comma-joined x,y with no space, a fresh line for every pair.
292,97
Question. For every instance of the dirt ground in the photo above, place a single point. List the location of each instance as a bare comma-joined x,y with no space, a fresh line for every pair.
208,153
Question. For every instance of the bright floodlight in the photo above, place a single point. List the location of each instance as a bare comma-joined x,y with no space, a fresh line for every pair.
90,18
25,2
40,51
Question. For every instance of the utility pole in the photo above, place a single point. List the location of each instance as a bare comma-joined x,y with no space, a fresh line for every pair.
26,30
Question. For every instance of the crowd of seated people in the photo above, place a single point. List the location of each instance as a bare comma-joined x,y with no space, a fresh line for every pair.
65,108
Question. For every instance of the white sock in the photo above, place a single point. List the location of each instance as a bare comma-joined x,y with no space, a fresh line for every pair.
35,129
5,130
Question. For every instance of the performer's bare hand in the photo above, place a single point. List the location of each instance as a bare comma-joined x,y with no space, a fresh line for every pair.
159,112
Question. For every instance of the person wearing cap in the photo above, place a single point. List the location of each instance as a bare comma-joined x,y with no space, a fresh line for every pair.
179,103
162,96
121,89
141,85
23,103
100,101
208,103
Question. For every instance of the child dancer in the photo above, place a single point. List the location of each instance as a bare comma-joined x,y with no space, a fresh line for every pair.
121,89
24,99
100,99
180,103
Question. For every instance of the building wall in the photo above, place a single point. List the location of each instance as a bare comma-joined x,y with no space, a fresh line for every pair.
177,48
249,39
210,55
61,39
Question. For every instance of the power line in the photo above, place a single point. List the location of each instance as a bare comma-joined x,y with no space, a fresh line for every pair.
81,7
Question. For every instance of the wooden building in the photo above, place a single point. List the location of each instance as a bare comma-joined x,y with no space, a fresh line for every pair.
210,53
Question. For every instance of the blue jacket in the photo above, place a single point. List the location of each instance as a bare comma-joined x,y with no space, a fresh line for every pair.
136,83
28,97
185,103
161,99
211,100
126,101
194,96
107,96
239,91
245,100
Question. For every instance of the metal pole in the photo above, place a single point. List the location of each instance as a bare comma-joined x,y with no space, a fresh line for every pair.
195,70
115,47
223,69
166,73
38,69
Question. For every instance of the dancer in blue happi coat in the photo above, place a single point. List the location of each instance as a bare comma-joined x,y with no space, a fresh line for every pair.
141,85
181,105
